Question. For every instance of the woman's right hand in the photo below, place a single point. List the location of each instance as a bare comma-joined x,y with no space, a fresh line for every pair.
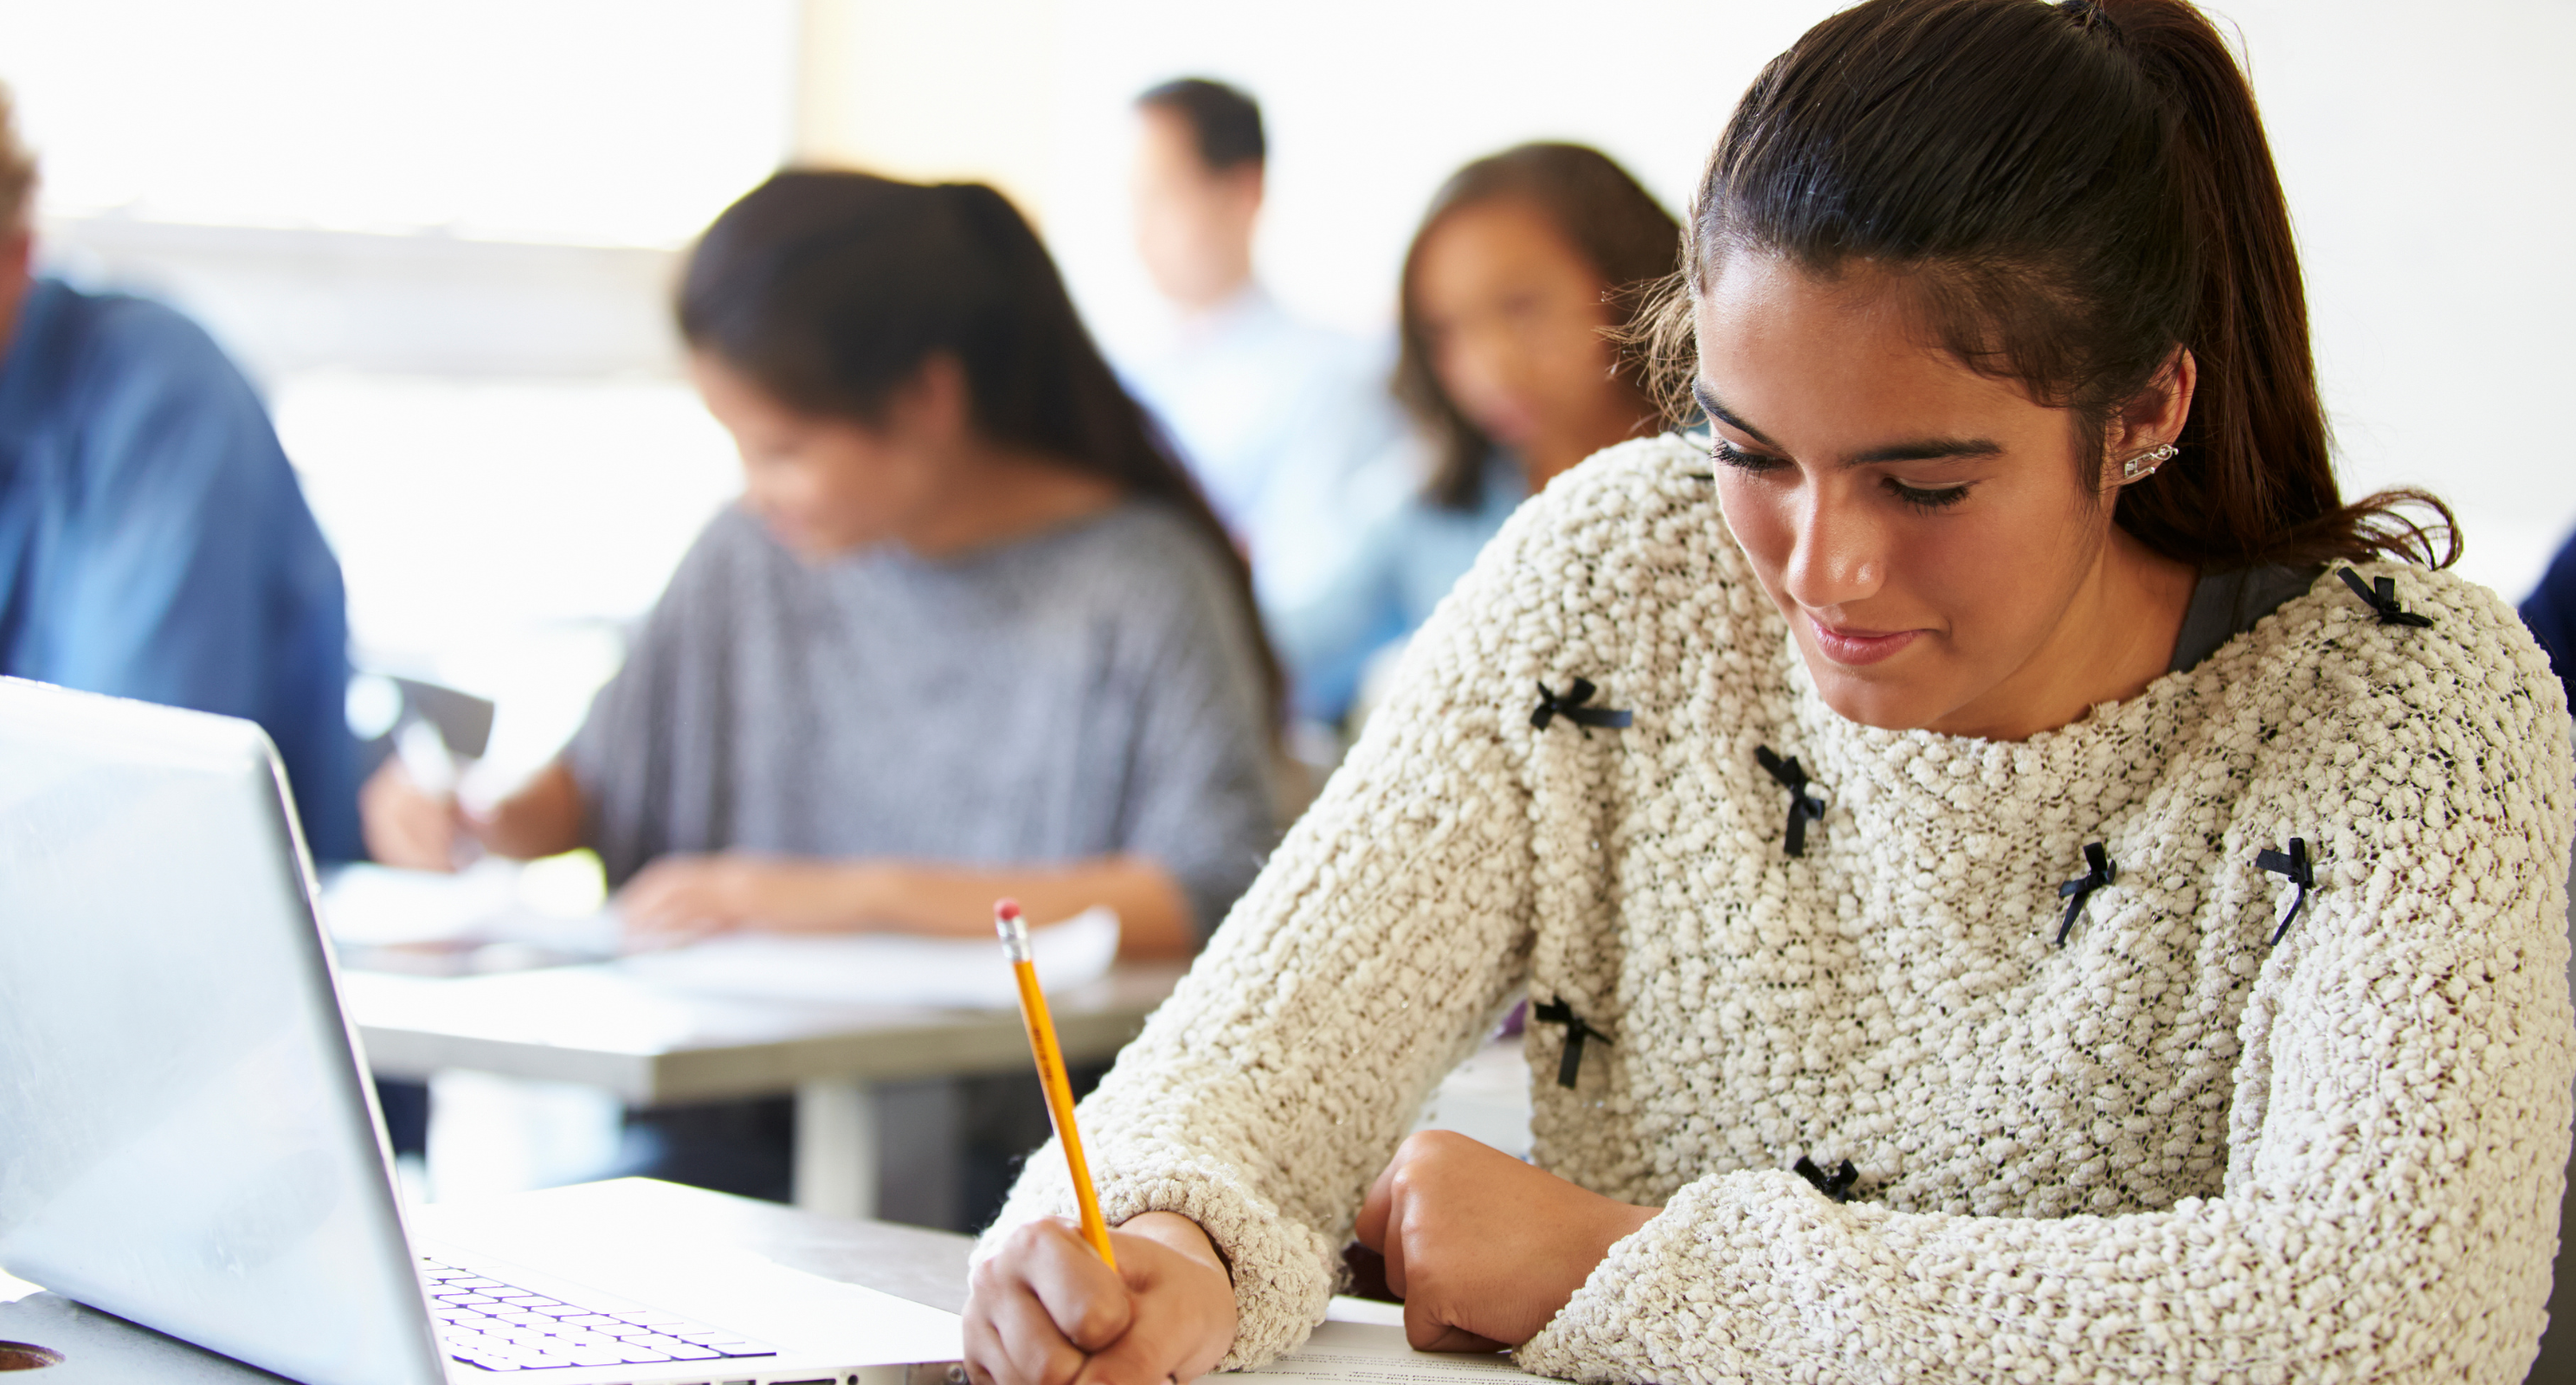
406,825
1045,1309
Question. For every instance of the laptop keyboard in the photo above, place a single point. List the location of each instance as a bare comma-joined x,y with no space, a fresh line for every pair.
500,1327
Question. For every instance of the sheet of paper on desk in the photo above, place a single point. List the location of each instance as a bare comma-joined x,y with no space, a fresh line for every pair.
380,907
882,967
1342,1352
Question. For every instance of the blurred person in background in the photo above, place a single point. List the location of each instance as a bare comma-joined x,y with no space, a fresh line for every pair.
1517,292
1287,425
2550,611
971,632
154,543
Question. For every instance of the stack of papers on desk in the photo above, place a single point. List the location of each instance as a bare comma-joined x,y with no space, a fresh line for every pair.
886,968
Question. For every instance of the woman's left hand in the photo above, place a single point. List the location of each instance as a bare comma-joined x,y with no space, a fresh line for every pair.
1483,1248
680,899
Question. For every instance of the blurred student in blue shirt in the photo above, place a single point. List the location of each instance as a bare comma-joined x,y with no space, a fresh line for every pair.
2550,611
1287,425
1525,273
153,541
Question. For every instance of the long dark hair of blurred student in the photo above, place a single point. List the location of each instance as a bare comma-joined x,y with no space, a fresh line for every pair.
1530,270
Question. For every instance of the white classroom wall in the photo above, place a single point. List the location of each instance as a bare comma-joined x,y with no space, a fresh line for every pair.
2429,152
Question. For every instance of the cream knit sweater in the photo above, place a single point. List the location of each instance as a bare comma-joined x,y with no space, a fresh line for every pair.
2167,1149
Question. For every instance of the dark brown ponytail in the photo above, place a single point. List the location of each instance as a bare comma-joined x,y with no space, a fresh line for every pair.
832,289
2071,191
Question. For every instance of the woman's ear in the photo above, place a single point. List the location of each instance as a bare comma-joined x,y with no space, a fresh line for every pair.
934,408
1241,188
2152,419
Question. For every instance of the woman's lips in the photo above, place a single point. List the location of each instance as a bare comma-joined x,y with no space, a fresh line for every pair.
1857,647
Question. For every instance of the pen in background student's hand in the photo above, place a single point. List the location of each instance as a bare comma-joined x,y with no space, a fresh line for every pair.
1014,931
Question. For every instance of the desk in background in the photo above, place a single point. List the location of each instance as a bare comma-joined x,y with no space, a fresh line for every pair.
650,1044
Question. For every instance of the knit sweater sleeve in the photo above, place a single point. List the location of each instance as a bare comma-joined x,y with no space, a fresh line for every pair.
1374,950
2398,1125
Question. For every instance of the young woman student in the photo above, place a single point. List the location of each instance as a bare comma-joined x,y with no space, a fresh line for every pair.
2014,877
1526,268
970,632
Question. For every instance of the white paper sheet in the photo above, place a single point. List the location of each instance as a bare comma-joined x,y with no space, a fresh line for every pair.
1345,1308
879,967
376,906
394,915
1373,1353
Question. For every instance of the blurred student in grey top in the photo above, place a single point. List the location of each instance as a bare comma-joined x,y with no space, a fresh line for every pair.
1287,424
1520,285
970,632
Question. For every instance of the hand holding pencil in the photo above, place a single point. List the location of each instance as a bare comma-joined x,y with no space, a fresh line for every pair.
1053,1303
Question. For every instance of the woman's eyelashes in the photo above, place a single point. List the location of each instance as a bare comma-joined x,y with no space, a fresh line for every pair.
1924,498
1755,462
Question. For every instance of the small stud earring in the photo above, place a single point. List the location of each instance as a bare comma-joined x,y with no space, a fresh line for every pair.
2143,465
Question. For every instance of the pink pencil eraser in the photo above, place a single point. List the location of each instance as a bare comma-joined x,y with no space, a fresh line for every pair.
1006,909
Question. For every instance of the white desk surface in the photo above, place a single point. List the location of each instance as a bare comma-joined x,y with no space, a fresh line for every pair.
651,1044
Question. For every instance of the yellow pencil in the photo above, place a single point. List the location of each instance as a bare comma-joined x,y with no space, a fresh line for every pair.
1050,1059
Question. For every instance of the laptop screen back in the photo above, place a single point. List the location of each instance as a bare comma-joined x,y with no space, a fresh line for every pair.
185,1138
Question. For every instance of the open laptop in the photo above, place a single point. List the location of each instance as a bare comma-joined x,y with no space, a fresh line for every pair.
188,1139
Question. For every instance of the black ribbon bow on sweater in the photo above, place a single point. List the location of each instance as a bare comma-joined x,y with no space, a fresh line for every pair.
1803,809
2299,870
1576,1031
2100,870
2381,593
1570,707
1836,1185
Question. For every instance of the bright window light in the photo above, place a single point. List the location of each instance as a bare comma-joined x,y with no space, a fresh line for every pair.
496,535
610,122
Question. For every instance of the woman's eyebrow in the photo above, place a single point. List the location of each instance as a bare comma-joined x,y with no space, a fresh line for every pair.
1918,450
1707,401
1929,450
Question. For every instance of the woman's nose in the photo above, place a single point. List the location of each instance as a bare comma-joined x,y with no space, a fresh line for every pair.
1481,361
1836,554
